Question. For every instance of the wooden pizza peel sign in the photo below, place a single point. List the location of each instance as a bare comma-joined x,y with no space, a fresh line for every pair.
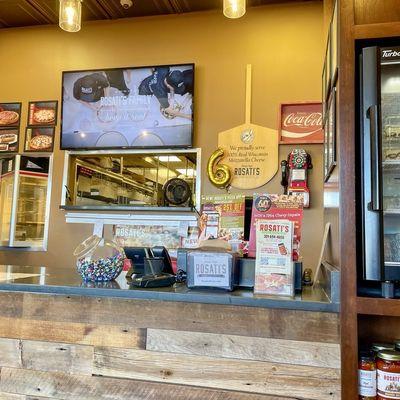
251,151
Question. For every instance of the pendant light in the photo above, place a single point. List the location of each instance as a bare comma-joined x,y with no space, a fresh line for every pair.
70,15
234,8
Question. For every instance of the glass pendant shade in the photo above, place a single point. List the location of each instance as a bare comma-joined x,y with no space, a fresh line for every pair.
234,8
70,15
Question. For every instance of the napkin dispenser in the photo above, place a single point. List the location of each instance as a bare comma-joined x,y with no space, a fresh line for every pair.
210,268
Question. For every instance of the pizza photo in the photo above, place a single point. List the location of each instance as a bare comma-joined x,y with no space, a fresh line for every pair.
41,142
8,117
39,139
9,140
42,113
44,116
10,114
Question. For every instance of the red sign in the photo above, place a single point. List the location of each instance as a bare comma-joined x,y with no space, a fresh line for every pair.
272,207
301,123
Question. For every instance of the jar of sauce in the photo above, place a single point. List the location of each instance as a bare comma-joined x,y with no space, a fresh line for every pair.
367,376
388,373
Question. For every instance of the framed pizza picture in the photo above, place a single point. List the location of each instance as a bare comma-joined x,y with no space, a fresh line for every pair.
10,115
42,113
39,139
9,139
301,123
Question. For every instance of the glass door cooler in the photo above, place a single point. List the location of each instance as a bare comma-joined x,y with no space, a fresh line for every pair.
25,201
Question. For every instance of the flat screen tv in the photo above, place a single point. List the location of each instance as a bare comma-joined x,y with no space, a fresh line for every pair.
142,107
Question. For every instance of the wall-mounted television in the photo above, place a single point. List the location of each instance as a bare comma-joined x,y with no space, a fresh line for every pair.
140,107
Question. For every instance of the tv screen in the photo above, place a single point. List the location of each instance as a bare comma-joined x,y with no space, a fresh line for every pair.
128,108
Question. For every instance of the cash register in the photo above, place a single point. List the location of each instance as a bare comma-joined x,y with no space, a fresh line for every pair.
151,267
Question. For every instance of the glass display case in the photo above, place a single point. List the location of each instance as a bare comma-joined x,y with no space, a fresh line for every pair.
132,179
25,201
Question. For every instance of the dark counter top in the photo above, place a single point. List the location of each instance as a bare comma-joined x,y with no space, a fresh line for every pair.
68,282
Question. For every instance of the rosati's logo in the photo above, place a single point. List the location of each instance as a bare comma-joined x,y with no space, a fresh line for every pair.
389,53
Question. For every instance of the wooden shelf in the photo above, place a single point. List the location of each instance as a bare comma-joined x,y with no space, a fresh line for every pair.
371,31
378,306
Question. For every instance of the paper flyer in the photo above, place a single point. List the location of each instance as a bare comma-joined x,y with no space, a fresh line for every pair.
222,217
277,207
171,235
274,265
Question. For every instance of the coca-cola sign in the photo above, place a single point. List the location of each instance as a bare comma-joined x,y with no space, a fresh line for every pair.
301,123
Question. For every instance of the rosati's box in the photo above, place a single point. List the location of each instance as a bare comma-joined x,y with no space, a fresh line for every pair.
212,269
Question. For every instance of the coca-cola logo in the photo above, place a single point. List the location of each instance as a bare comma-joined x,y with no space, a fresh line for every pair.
301,123
303,120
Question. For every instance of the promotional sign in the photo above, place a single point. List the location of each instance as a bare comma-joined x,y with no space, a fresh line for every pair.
10,119
9,140
252,155
10,114
42,113
146,234
130,107
273,207
222,217
301,123
211,269
39,139
251,151
274,265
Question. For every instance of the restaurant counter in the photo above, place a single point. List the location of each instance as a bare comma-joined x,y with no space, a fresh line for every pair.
61,339
69,282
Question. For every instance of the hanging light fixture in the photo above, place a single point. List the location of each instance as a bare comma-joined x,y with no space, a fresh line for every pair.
234,8
70,15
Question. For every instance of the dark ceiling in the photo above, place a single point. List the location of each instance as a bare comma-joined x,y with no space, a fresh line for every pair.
15,13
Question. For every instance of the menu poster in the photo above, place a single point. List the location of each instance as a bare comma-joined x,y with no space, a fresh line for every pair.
10,114
277,207
42,113
274,265
39,139
222,217
9,140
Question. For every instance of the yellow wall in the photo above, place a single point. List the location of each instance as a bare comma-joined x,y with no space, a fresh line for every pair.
284,43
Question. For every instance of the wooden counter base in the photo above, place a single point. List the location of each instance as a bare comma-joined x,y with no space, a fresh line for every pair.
75,347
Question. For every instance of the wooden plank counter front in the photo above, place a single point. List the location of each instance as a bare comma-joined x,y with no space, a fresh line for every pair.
91,348
63,339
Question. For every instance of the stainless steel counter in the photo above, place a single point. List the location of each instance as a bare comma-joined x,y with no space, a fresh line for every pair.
68,282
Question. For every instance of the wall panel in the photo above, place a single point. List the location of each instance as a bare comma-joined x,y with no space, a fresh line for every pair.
261,354
281,41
